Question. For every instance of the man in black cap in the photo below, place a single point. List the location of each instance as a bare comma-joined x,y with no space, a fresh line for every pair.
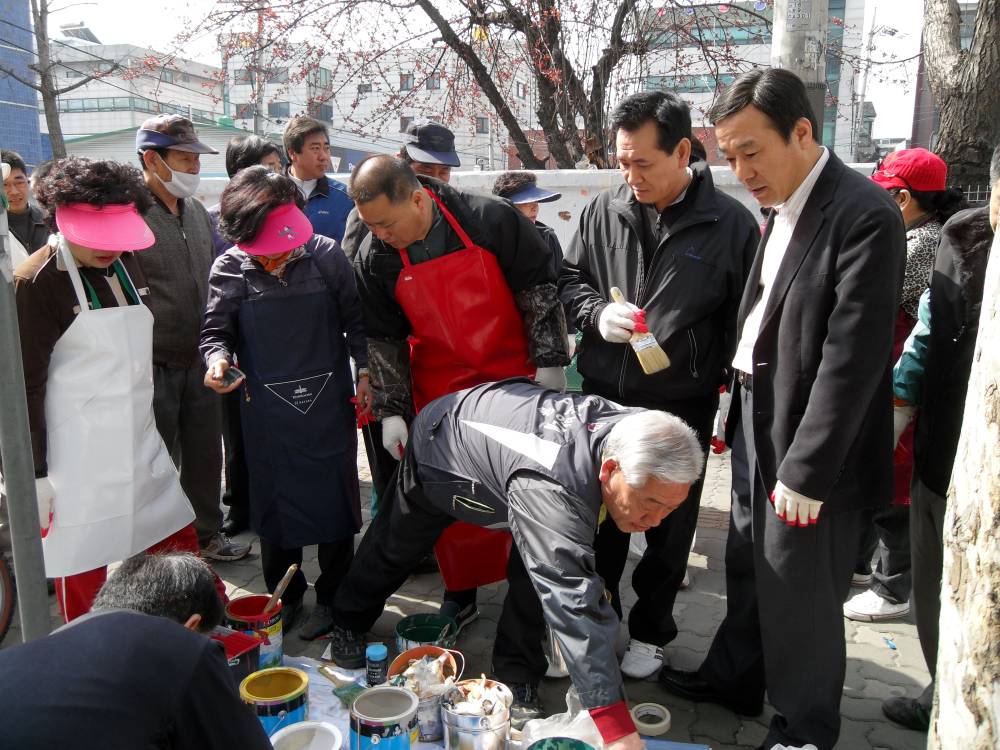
188,415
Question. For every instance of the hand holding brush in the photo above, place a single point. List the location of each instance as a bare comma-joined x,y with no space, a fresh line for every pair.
651,356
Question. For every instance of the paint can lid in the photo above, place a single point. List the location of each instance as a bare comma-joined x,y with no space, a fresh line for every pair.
376,652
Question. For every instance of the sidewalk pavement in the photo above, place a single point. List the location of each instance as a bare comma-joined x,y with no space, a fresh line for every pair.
875,669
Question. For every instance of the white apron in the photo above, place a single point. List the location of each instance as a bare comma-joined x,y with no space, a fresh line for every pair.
116,490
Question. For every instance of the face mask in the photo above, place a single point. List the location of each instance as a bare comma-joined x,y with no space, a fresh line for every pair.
182,185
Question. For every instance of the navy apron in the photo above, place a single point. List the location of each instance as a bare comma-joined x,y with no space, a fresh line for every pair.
298,420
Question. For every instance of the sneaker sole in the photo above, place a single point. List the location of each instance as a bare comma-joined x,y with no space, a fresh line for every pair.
223,558
466,620
861,583
863,617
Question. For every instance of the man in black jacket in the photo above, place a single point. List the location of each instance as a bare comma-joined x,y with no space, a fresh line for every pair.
811,417
27,222
681,249
932,375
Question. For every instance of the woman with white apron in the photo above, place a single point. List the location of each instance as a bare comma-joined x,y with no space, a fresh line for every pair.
105,483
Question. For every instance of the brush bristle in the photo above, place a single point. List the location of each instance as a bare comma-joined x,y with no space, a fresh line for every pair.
651,356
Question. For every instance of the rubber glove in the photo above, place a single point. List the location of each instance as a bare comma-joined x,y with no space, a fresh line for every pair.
394,436
45,494
719,438
616,322
553,378
901,416
793,508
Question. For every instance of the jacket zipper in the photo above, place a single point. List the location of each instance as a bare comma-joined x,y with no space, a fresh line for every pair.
693,341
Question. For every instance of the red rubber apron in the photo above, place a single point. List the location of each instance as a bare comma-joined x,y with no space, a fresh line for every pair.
465,330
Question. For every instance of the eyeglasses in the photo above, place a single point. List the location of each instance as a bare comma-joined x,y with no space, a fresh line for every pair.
879,172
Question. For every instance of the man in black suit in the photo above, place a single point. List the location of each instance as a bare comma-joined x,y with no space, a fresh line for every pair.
811,423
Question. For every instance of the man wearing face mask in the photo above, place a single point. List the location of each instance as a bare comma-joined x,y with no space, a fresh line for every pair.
177,265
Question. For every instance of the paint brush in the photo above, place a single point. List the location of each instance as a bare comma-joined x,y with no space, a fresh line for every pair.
650,353
280,588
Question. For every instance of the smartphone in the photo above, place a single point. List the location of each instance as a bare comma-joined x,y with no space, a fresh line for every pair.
232,375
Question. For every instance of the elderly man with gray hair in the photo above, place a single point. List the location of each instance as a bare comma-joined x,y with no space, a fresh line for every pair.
548,466
137,671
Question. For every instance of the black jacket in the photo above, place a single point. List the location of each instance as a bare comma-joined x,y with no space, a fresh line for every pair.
691,291
38,231
822,391
956,298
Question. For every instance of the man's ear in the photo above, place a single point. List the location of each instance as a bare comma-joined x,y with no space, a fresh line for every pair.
802,132
608,467
193,622
683,151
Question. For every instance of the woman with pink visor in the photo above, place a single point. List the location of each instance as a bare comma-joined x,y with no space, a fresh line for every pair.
106,486
283,306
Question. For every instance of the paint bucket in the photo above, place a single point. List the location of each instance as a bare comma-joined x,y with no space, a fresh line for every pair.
279,697
463,732
426,630
245,614
242,651
385,717
308,735
429,709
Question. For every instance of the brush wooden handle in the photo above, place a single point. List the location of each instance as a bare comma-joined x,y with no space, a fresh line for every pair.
617,296
280,588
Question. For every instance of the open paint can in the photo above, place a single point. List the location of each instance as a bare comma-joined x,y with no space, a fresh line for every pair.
242,651
385,717
279,697
429,709
246,614
308,735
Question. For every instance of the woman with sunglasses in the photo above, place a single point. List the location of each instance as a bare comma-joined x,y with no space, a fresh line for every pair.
916,178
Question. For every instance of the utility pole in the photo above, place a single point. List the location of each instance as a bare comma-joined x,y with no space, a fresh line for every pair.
798,44
859,116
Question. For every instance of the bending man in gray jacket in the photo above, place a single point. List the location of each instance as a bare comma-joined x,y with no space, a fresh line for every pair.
514,454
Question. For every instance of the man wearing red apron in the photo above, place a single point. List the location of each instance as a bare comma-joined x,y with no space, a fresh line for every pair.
457,290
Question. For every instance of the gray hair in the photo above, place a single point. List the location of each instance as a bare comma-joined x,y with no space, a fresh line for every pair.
174,586
655,444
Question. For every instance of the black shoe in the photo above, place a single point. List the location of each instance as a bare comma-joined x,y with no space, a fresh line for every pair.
689,685
347,648
237,521
290,613
461,615
319,622
526,705
428,565
907,712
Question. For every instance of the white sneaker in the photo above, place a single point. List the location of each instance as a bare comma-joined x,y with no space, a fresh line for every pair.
808,746
870,607
641,659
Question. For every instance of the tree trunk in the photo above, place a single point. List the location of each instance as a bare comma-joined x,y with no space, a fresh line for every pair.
964,85
967,703
46,86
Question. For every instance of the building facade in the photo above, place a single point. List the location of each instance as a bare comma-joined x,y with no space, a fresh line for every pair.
19,109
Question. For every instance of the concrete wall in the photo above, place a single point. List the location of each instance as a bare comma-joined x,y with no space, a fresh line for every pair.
578,187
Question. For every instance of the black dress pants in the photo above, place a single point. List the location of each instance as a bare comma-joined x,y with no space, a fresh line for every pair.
887,537
237,494
784,624
334,562
658,576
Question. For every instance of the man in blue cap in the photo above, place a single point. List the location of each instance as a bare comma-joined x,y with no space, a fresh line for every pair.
188,415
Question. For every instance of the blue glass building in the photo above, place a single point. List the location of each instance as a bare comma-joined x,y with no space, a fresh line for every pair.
19,129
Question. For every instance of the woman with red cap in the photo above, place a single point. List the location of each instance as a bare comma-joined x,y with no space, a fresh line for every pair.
283,304
106,486
916,178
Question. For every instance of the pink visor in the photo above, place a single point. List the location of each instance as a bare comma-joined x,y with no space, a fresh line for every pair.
113,227
284,229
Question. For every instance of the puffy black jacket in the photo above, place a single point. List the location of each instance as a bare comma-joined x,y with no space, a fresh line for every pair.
690,290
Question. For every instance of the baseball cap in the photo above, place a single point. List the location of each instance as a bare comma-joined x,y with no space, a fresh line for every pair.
284,229
116,226
912,168
427,141
533,194
170,131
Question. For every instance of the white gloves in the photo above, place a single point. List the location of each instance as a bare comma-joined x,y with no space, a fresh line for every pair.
616,322
793,508
901,416
394,436
45,494
551,377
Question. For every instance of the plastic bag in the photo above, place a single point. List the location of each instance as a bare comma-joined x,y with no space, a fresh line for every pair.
575,723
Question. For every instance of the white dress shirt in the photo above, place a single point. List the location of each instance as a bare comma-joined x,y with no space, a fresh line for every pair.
774,252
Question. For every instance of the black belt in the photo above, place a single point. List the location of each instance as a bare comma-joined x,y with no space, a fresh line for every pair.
745,379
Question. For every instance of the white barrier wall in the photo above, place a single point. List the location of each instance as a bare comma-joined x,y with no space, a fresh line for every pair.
577,188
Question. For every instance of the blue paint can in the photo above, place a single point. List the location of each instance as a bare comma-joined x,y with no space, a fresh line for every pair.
384,717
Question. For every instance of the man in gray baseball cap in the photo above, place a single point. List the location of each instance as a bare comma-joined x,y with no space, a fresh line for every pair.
170,131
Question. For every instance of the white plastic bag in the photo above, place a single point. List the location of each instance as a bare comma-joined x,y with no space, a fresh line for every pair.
575,723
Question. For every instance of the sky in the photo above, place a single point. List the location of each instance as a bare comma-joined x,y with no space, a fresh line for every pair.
155,25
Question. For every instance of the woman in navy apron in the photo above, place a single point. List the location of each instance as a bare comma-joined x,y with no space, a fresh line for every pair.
284,308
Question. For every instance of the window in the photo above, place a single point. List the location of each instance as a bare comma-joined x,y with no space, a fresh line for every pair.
321,78
364,88
278,76
243,111
243,77
321,111
404,123
168,76
434,82
406,81
482,125
277,109
70,73
521,89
